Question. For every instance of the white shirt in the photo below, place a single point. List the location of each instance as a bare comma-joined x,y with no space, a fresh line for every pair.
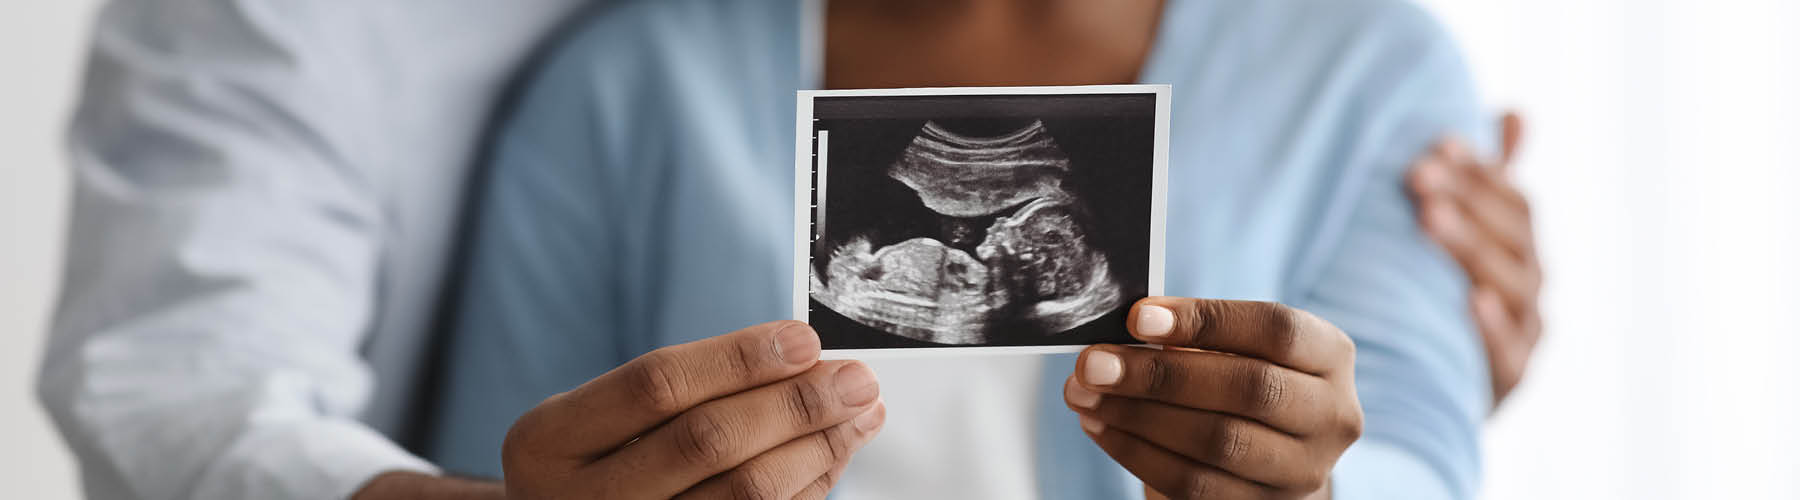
957,427
264,190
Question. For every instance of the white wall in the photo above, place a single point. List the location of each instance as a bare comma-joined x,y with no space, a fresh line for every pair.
1660,157
40,47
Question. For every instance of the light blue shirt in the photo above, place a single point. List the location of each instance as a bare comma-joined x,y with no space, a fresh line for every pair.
640,195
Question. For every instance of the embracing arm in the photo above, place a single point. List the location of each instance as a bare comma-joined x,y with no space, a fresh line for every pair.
1471,208
222,256
1421,373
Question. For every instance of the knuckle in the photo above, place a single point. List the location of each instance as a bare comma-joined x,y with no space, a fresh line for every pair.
1199,484
522,430
512,446
703,439
1199,316
807,403
526,431
820,487
1281,325
1162,376
751,484
1313,479
833,447
748,355
1264,390
654,383
1350,425
1231,444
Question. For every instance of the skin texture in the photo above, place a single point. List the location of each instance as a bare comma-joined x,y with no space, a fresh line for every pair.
938,43
1244,400
753,413
1472,209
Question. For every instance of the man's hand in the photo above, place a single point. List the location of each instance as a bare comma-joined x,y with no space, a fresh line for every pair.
749,414
1245,400
1470,208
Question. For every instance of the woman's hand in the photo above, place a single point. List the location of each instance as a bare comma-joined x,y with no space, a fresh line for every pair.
1245,400
1470,208
753,413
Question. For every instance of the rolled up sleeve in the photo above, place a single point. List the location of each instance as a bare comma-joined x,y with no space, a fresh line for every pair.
221,256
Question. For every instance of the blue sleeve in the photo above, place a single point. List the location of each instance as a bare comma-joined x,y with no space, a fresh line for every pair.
1421,374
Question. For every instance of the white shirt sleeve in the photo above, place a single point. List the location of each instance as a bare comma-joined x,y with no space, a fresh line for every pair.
222,253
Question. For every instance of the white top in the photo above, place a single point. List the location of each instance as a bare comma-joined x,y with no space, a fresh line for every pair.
957,427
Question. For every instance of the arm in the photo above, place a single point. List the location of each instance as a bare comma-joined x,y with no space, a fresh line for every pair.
222,256
1420,372
1470,207
1271,420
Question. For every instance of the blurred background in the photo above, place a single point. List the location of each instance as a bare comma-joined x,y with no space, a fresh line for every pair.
1662,156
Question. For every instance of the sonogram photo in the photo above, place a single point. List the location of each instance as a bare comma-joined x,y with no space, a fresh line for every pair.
980,220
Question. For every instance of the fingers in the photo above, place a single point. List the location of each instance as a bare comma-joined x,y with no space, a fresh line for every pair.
1491,263
1500,336
1239,446
1167,472
806,467
1279,397
1488,202
657,386
721,435
1509,340
1491,314
1267,330
1512,131
1475,211
820,488
1482,221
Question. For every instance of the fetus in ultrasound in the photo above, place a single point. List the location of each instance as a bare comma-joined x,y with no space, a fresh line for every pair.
1011,254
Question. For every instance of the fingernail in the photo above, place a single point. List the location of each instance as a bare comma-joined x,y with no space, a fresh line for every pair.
1103,368
1155,321
1081,396
1092,425
856,384
797,344
871,419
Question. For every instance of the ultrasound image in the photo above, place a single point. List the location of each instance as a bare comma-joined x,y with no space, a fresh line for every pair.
1006,228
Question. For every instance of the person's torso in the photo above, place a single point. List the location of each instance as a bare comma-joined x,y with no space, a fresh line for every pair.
681,225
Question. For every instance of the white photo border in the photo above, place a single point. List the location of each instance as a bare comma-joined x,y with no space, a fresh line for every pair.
803,180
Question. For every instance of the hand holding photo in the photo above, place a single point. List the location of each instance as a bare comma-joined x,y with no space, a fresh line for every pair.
1025,219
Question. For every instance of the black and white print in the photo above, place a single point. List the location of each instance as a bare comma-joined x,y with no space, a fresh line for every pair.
979,217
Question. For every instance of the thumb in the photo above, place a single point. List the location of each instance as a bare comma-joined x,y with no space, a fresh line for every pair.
1512,129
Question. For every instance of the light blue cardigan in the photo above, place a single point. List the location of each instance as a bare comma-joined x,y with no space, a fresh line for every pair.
646,175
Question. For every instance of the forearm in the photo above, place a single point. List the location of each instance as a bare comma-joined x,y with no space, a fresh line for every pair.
409,485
